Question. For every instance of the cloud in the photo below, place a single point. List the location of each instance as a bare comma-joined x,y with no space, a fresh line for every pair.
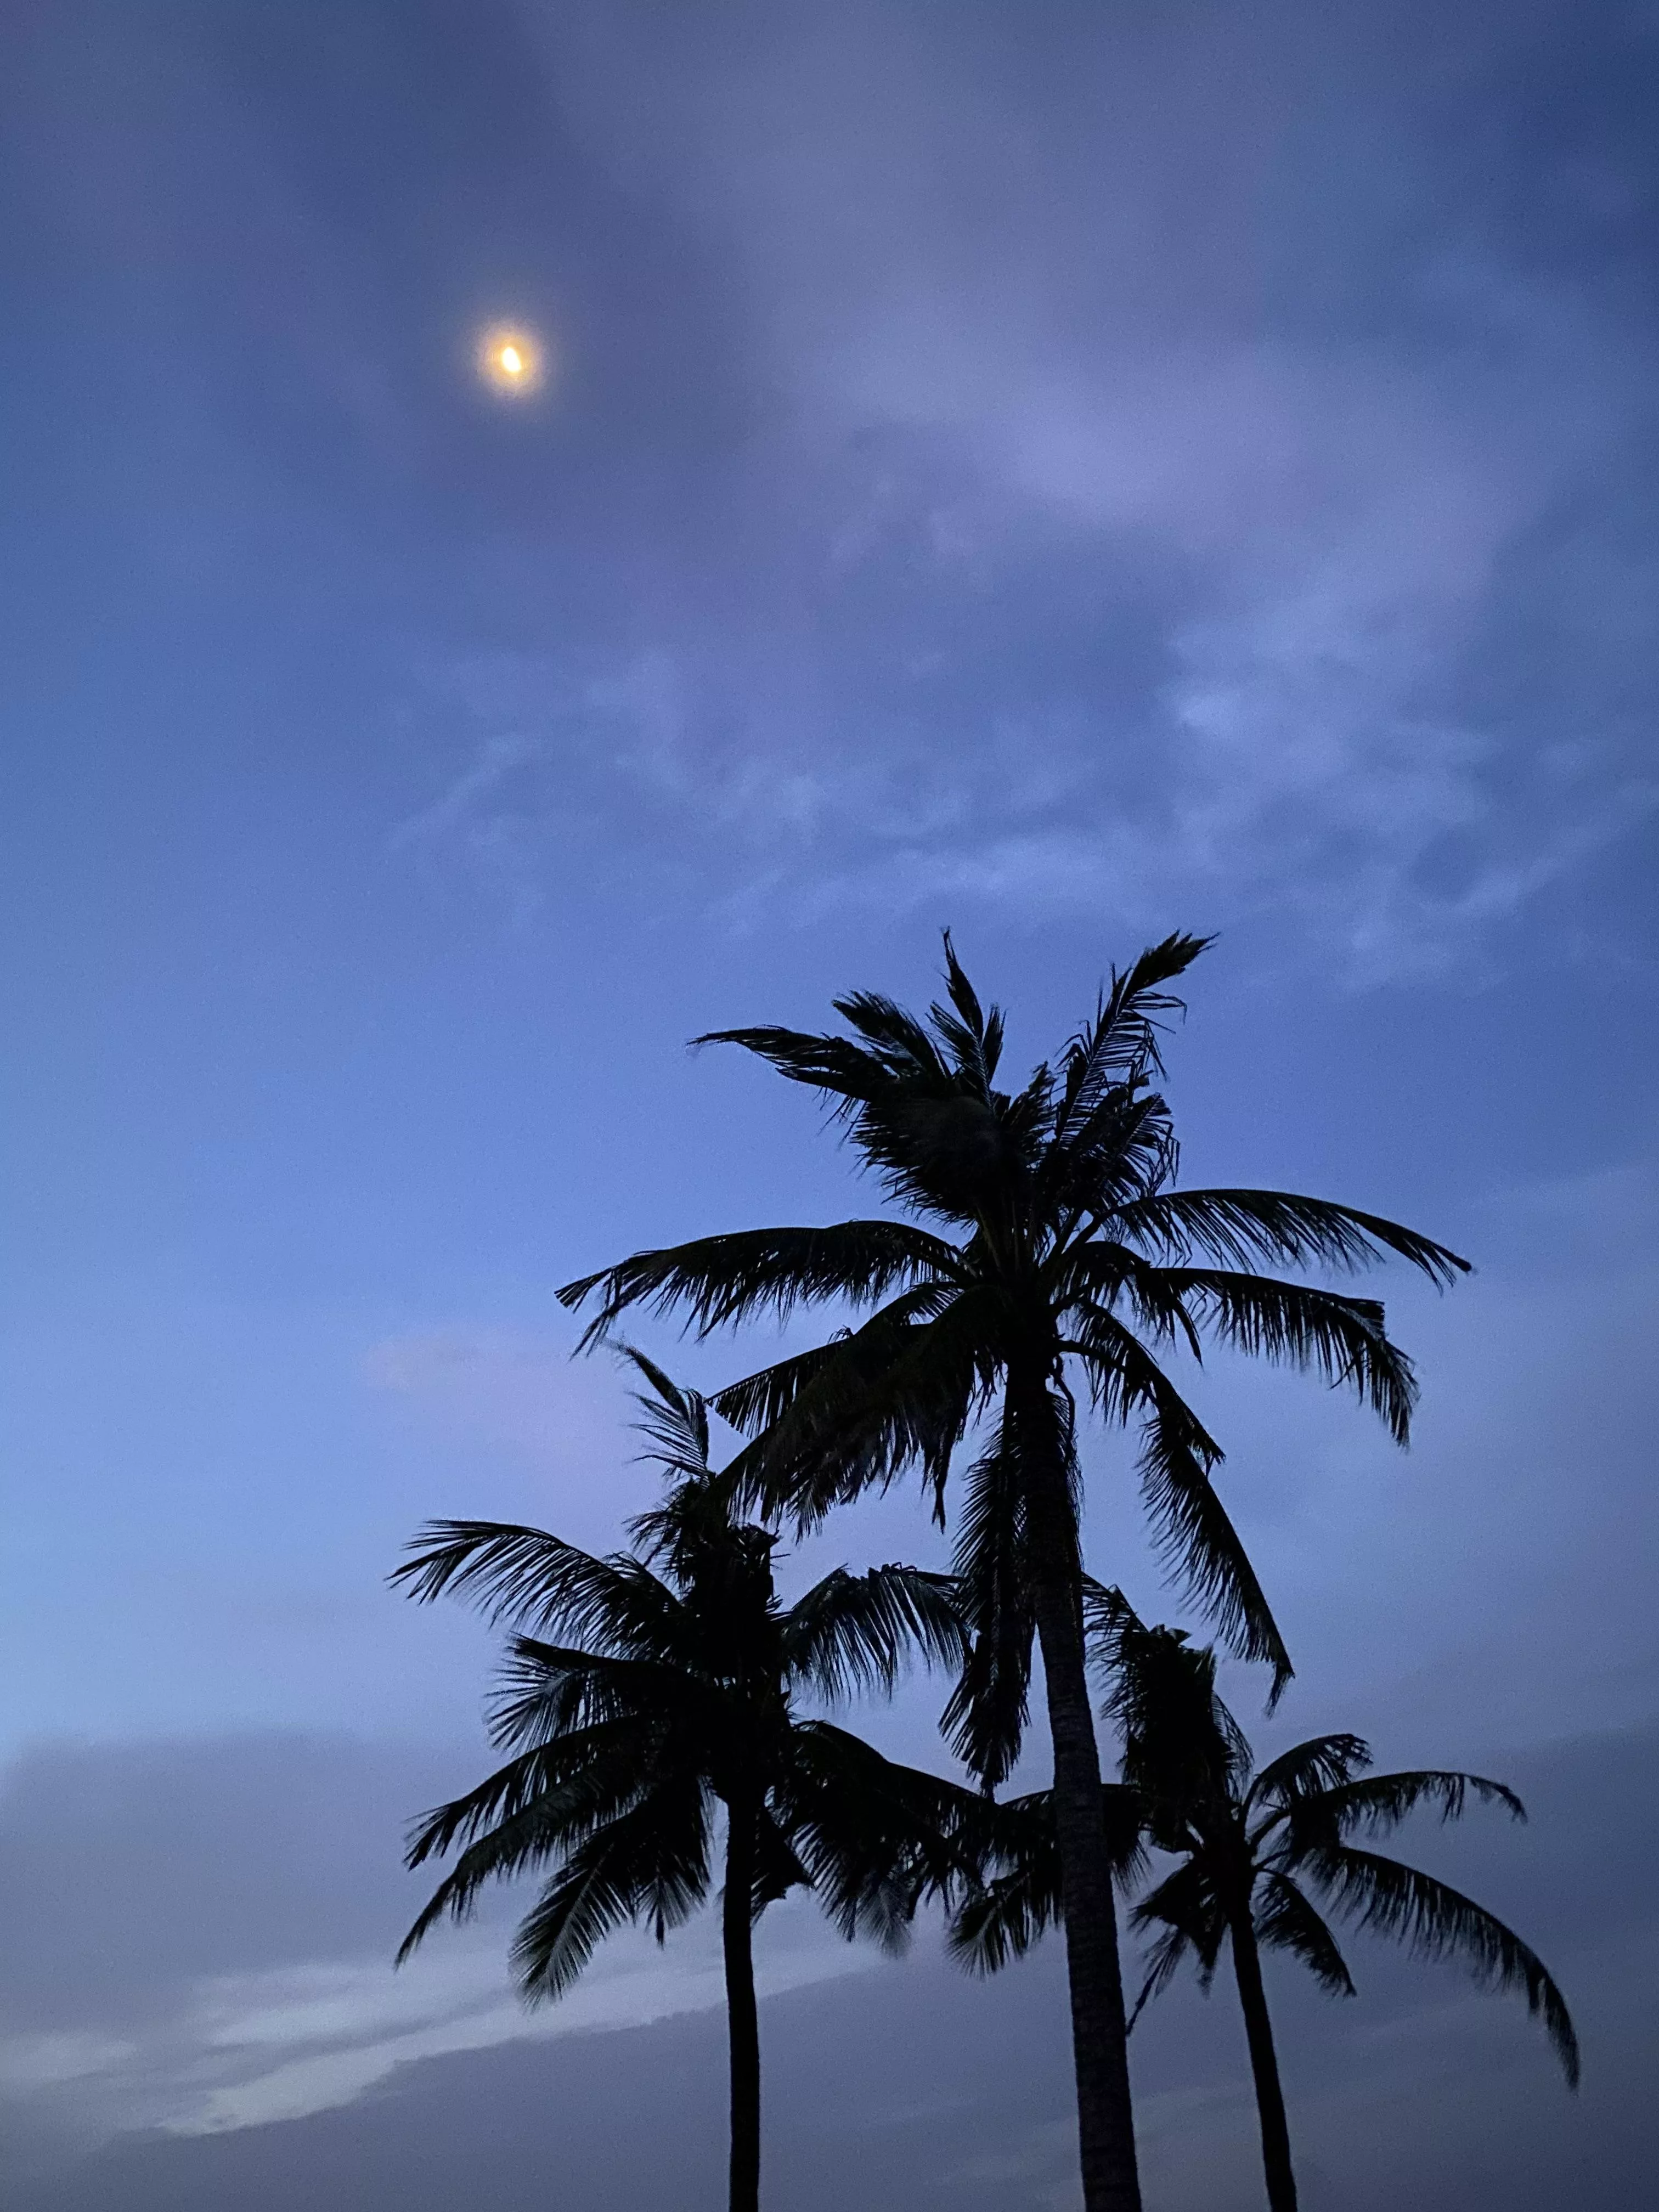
919,2087
210,1926
1108,539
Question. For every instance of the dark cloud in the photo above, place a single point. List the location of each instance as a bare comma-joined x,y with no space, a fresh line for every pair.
910,2084
139,1868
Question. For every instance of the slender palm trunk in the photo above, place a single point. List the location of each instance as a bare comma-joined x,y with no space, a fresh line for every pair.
1264,2065
743,2020
1099,2035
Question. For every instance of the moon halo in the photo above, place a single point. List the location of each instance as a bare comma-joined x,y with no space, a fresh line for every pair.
511,360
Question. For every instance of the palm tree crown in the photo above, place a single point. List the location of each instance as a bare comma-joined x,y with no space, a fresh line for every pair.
639,1706
1251,1845
1040,1241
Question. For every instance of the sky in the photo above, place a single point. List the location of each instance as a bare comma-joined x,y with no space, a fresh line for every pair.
1057,473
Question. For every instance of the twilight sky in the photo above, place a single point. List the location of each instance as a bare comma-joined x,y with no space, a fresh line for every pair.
1061,472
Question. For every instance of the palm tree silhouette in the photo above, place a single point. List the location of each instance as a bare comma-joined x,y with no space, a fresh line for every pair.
676,1694
1251,1845
1042,1237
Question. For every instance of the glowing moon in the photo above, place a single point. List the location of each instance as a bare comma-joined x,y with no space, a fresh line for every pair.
511,360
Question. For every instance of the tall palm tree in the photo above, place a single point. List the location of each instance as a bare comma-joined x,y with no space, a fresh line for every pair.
676,1694
1040,1239
1251,1846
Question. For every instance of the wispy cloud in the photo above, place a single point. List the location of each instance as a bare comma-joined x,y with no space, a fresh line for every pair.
1102,542
288,2003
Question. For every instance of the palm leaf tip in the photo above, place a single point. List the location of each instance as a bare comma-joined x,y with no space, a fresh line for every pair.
1437,1922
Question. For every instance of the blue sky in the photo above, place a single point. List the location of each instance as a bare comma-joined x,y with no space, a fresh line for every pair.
1059,472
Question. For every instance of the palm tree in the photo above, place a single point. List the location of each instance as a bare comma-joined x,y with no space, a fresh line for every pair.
1040,1238
676,1693
1250,1847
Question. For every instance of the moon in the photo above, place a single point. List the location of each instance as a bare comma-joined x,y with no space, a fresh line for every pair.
511,360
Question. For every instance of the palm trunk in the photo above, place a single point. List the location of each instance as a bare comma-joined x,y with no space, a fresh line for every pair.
1264,2065
743,2020
1106,2138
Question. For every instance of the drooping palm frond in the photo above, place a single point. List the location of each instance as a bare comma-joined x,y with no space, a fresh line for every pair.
719,1280
1001,1918
1107,1618
1182,1749
1237,1227
1164,1957
857,1632
878,1837
1435,1921
779,1867
985,1720
543,1806
1185,1904
1284,1920
578,1776
1344,1339
853,1358
1196,1537
650,1863
895,1396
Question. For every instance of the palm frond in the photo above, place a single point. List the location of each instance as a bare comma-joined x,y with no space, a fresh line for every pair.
857,1632
1107,1618
1121,1044
895,1038
1100,1273
651,1864
1238,1226
1197,1539
877,1836
894,1395
759,1402
984,1722
1285,1920
973,1037
543,1691
1388,1898
544,1806
1306,1770
1001,1919
1343,1338
1126,1148
1182,1749
778,1869
588,1772
1165,1954
1185,1902
719,1280
1003,1914
999,1923
1380,1802
675,1419
511,1572
848,1072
